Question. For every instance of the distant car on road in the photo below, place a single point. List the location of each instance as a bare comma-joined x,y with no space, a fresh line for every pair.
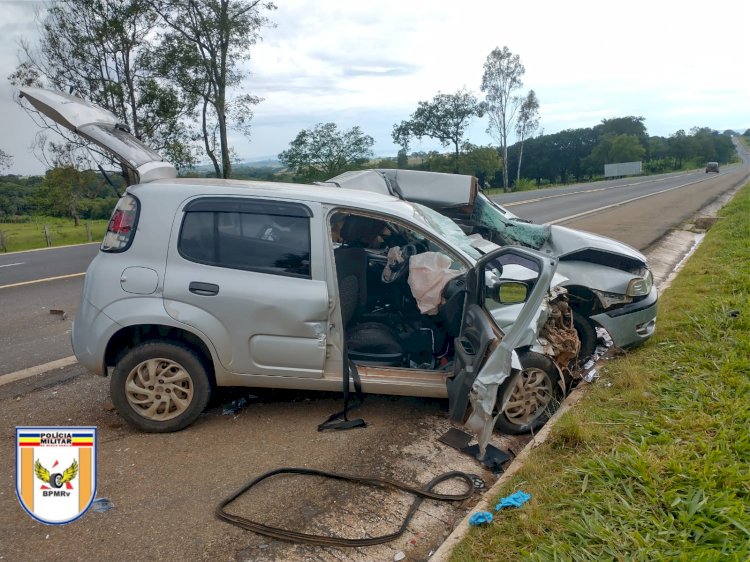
712,167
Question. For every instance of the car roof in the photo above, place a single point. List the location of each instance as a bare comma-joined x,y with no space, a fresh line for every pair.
186,188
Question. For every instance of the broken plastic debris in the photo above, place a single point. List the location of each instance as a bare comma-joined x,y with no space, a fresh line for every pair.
234,406
480,518
514,500
101,505
591,376
61,313
399,556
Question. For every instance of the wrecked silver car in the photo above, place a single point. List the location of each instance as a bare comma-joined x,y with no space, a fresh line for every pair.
609,284
205,282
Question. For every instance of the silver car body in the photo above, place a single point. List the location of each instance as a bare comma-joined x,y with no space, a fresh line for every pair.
601,272
265,330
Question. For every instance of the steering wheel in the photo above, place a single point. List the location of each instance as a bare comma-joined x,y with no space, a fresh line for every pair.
399,270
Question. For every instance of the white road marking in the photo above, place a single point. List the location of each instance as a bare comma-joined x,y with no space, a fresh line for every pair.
592,211
37,370
595,190
52,248
22,283
12,264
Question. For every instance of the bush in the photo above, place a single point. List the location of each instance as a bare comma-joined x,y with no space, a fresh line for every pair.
524,184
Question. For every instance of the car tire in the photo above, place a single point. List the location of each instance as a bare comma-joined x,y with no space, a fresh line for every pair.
160,386
533,393
587,336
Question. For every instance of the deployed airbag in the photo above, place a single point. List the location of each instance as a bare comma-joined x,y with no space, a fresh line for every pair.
429,273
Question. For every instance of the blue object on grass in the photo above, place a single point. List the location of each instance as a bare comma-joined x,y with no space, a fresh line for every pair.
513,500
480,518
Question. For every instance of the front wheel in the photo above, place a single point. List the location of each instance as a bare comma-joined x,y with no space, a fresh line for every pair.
533,394
160,387
587,336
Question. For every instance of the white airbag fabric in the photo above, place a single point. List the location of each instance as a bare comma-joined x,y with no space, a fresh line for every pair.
429,272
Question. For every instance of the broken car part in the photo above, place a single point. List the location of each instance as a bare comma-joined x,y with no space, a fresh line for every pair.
323,540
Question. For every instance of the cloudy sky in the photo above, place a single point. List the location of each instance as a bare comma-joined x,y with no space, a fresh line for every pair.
677,64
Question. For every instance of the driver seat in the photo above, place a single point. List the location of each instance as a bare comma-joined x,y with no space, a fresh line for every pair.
371,343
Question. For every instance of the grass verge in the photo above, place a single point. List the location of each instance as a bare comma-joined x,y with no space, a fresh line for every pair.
30,235
654,462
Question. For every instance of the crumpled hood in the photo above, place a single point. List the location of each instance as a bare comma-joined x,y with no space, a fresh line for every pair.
565,241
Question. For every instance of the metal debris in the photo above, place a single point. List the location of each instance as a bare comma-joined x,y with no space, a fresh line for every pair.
234,407
57,312
100,505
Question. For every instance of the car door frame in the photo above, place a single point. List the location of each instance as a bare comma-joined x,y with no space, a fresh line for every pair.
483,353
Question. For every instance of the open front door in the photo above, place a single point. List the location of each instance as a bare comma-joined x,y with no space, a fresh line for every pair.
483,353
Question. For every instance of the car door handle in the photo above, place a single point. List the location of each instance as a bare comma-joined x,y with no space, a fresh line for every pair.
203,289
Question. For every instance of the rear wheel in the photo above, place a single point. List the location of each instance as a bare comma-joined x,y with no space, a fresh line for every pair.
160,386
533,394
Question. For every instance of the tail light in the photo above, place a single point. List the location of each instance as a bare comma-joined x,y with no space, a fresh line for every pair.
122,225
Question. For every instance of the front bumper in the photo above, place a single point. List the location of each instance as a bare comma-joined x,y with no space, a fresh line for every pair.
631,324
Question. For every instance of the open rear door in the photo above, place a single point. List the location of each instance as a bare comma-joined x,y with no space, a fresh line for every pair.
101,127
483,352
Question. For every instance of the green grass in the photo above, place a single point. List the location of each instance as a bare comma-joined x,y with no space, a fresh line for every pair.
654,462
30,235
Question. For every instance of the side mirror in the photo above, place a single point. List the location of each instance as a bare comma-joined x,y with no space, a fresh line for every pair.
512,292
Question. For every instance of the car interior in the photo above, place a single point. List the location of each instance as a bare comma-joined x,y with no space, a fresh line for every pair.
383,323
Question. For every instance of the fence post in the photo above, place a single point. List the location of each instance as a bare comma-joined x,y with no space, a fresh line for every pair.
3,242
88,231
47,236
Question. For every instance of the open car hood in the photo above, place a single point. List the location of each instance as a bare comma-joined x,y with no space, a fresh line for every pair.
566,241
101,127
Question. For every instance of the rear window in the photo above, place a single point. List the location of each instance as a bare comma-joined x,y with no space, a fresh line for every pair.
264,238
122,225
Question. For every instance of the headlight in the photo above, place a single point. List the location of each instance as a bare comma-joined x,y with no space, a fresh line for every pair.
640,286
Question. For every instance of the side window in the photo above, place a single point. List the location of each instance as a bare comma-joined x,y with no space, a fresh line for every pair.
266,241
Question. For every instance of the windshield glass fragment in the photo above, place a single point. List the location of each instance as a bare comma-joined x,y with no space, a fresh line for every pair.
447,228
507,229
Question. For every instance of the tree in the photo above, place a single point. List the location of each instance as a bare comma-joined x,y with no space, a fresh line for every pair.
679,146
323,151
203,53
502,77
634,126
613,148
100,50
5,160
63,189
402,160
527,124
480,161
445,118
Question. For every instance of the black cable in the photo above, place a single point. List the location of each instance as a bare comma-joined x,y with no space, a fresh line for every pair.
325,540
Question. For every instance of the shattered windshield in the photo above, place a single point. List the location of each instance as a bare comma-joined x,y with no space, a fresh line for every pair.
506,228
447,228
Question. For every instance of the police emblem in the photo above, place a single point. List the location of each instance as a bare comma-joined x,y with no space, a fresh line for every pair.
56,472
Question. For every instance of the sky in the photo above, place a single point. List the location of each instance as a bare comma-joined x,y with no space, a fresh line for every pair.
369,63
